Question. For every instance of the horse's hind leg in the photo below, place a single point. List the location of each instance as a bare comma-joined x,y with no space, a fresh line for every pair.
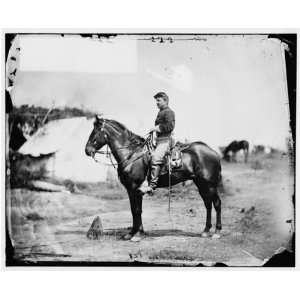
210,196
207,199
217,206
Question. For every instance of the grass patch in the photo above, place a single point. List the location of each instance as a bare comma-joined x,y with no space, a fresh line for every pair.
171,255
118,195
256,165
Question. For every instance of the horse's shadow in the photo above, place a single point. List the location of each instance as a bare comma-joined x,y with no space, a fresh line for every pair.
120,232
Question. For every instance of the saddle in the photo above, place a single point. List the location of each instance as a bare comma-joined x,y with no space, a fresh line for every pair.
173,158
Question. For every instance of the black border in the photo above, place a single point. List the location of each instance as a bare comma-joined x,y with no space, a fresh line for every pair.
283,259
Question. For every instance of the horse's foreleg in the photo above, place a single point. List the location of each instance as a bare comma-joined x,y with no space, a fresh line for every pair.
130,234
138,230
246,151
136,210
234,157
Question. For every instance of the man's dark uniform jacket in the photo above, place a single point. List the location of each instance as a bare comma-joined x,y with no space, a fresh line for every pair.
166,121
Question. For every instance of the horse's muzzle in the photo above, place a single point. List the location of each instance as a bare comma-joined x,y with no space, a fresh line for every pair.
90,151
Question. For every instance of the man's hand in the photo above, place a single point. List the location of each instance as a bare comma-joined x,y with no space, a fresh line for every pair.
155,129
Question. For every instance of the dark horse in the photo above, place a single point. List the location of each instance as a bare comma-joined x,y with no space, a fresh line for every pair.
234,147
199,163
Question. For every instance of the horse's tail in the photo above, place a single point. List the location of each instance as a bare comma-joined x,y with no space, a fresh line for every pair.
220,179
217,181
220,186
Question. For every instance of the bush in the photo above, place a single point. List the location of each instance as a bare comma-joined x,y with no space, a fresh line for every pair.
25,168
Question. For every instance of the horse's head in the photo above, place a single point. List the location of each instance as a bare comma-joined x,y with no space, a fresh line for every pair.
98,137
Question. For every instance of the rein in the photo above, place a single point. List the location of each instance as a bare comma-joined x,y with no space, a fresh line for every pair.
108,154
115,165
148,143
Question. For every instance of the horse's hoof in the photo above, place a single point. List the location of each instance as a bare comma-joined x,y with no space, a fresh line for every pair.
204,234
216,235
137,238
127,237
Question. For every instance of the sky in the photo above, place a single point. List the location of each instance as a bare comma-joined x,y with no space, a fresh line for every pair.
221,87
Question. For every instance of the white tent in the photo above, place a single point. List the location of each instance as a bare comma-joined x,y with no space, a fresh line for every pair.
67,138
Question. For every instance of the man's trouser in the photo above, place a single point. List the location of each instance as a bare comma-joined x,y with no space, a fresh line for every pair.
157,159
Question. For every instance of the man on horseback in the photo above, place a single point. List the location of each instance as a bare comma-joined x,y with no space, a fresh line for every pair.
199,163
164,126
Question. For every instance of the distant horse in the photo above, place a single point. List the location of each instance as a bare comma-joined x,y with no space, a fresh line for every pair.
199,163
233,148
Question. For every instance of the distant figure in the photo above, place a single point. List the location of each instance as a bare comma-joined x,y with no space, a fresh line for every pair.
229,153
21,130
17,138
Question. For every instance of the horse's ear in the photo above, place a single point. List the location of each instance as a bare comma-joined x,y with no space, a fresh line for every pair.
97,117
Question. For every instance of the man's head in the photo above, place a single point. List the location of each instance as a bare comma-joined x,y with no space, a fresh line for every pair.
162,100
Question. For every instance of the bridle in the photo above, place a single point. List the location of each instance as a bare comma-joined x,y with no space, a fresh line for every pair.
148,143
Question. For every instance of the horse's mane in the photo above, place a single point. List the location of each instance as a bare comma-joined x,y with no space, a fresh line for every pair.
134,139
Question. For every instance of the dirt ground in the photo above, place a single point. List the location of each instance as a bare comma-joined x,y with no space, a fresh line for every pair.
256,214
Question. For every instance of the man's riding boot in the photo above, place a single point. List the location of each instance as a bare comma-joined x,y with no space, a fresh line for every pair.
155,171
